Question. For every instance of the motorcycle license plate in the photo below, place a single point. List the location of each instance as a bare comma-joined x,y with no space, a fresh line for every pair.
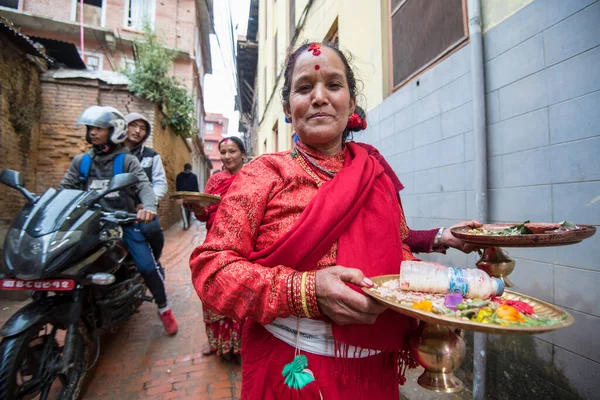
54,285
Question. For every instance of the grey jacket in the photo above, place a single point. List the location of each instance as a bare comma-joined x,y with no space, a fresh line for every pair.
101,172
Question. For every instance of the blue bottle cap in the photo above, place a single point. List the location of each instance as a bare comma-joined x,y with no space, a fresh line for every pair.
499,286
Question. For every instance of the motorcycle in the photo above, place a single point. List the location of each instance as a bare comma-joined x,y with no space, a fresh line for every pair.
68,251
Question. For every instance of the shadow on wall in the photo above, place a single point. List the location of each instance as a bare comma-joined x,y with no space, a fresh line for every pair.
519,367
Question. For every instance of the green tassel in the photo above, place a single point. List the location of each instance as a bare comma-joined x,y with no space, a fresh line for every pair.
296,375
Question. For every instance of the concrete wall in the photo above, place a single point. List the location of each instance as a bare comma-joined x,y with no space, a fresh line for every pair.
366,51
543,96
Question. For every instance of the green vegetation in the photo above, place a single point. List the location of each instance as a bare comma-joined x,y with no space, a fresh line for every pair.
150,80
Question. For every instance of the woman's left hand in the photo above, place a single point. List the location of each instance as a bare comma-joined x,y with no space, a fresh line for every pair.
448,239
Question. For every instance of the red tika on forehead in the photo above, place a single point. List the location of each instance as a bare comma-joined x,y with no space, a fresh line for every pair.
317,67
315,48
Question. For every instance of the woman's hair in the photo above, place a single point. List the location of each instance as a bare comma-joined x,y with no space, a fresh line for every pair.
238,142
352,81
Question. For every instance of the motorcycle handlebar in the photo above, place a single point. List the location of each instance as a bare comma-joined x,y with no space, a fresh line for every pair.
120,217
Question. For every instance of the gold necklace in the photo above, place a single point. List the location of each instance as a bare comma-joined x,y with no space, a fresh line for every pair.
307,169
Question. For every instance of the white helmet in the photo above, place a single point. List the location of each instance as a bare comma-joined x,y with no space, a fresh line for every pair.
105,117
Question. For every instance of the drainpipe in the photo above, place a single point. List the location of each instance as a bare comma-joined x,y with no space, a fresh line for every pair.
81,27
479,130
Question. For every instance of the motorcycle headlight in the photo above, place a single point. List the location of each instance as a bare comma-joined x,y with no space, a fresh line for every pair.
29,256
43,246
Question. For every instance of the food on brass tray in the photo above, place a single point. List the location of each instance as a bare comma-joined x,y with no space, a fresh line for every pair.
526,228
495,310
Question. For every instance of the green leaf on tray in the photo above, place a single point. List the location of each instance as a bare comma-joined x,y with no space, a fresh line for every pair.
520,229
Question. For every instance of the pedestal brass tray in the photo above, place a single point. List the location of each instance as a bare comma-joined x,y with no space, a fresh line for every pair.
545,239
541,308
201,199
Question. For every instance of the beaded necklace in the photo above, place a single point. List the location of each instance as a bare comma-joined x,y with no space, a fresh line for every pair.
314,162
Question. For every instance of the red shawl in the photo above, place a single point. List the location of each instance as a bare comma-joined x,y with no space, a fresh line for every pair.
219,190
359,209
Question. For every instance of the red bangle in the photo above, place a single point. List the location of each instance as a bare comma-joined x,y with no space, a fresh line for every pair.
311,294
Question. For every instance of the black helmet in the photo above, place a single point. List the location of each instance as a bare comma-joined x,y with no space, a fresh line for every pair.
105,117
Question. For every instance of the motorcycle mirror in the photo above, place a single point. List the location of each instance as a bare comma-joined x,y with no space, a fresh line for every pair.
117,183
11,178
122,181
14,180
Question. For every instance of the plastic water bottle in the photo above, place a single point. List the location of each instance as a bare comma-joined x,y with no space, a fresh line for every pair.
430,277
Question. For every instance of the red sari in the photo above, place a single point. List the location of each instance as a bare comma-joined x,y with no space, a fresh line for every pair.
262,207
224,334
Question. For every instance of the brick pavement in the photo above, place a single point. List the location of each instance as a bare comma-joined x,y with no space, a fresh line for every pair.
140,362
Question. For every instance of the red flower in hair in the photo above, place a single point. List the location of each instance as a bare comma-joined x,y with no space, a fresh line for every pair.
315,48
356,122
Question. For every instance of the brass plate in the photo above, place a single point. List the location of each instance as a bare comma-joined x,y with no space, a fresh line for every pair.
541,308
531,240
201,199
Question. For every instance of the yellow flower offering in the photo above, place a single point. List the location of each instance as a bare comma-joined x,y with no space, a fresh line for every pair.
484,315
509,313
424,305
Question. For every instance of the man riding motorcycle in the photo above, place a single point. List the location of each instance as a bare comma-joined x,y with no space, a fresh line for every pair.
106,130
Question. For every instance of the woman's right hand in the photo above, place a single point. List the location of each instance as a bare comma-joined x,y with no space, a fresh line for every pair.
341,303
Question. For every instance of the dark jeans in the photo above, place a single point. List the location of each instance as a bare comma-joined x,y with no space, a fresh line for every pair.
155,236
140,251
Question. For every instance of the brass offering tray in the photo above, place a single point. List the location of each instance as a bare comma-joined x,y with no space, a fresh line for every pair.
541,309
542,239
201,199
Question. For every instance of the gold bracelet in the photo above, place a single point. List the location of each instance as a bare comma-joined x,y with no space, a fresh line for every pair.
303,295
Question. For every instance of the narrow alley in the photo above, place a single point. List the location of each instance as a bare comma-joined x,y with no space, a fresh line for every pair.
140,362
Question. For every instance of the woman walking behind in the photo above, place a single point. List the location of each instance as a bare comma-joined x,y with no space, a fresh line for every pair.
224,334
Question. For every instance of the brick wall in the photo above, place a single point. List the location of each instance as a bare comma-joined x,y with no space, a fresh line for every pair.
19,84
543,97
56,9
175,153
60,139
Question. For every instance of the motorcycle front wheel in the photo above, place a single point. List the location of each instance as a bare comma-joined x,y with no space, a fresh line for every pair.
30,363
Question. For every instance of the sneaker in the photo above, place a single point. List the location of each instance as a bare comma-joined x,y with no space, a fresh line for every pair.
169,322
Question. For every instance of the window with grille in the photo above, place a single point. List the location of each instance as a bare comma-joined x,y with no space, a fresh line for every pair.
128,64
93,61
210,127
138,13
422,32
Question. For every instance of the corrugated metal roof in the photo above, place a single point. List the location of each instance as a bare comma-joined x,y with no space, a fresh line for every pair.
64,53
21,41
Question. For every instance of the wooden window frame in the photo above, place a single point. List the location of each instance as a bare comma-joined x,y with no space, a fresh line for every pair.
453,48
74,8
152,13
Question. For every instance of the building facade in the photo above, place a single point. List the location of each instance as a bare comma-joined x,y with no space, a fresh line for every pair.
110,28
215,128
542,96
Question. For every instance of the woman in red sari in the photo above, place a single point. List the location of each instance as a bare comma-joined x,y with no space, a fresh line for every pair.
297,236
224,334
